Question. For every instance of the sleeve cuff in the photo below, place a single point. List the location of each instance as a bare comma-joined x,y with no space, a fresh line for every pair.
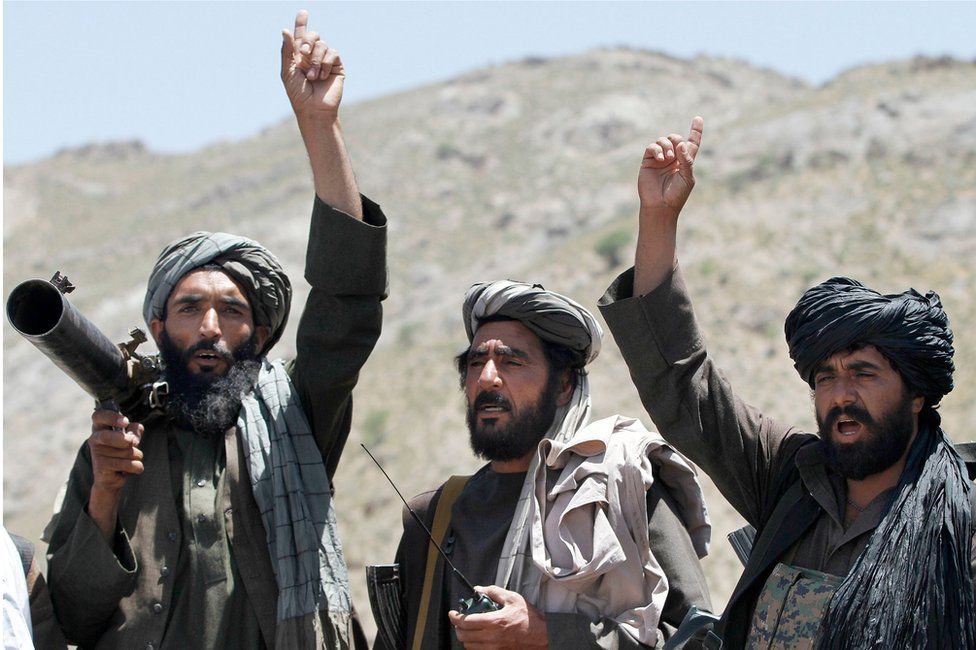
347,256
95,570
662,319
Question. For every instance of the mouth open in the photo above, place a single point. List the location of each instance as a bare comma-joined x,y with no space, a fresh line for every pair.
847,427
207,360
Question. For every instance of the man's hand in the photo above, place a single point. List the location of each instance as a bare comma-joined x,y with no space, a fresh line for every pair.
667,171
311,71
666,177
115,455
516,625
313,76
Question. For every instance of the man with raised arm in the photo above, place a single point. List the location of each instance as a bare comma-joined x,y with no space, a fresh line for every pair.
210,522
864,532
588,534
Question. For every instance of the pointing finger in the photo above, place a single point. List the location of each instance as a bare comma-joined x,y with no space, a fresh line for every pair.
695,136
301,23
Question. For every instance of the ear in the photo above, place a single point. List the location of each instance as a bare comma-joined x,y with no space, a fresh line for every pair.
917,403
156,328
565,388
261,334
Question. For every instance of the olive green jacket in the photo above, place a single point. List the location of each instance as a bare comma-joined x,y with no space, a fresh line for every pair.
119,598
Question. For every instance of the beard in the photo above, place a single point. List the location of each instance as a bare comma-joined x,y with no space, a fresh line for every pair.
521,435
207,403
885,443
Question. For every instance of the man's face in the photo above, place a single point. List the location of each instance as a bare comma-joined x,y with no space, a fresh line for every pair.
208,317
511,400
866,416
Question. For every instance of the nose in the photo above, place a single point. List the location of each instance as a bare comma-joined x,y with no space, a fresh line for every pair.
210,325
489,379
842,392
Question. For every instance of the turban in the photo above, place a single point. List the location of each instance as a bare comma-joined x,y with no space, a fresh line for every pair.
910,329
550,316
556,319
248,263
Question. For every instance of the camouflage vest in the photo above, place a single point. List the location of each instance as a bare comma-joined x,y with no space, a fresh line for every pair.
790,607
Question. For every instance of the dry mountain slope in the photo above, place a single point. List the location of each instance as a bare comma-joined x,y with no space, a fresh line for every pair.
527,170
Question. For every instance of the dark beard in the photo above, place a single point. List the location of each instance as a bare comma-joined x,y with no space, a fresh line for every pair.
521,435
886,443
207,403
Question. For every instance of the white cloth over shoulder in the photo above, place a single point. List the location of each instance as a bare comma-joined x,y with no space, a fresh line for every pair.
588,533
16,601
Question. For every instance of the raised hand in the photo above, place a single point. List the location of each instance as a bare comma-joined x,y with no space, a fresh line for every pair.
667,171
311,71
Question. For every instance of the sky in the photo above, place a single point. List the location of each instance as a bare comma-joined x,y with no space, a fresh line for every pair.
180,76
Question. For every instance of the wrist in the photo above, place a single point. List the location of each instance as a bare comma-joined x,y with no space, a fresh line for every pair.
658,213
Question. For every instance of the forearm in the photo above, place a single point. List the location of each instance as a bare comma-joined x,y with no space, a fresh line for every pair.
87,574
103,508
687,396
335,182
656,255
346,267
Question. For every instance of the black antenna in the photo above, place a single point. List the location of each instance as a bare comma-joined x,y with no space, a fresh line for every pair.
430,536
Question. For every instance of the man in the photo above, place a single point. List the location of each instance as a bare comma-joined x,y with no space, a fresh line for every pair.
210,523
865,531
589,535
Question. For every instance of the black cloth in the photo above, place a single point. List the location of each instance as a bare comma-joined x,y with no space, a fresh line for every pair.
760,465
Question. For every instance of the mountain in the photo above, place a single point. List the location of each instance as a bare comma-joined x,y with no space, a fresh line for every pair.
527,170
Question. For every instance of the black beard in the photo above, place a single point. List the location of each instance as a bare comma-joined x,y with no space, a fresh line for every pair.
521,435
885,444
207,403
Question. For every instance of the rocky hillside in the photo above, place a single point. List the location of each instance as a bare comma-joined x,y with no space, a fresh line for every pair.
527,170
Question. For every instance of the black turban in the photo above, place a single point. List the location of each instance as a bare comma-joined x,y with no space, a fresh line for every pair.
910,329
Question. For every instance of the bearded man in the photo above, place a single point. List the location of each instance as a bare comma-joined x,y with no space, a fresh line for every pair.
210,522
864,532
589,535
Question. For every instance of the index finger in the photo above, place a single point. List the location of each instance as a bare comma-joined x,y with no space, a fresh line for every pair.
301,23
697,124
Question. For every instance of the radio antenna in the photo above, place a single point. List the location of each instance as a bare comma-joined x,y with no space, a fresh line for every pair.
430,536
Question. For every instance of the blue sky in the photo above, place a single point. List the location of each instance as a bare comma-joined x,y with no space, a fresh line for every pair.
182,75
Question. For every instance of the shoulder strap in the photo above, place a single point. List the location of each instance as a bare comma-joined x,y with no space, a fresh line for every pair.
25,549
442,519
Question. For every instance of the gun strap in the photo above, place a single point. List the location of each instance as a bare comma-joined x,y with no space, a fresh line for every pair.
442,519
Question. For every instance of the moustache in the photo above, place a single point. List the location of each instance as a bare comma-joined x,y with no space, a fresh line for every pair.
490,399
211,346
852,411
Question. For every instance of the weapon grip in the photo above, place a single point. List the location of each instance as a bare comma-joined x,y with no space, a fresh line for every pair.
480,605
108,404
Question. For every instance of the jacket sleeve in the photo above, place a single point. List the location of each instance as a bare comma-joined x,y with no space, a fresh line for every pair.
87,577
689,399
346,268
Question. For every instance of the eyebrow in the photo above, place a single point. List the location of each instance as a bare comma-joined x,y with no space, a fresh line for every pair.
194,298
500,350
861,364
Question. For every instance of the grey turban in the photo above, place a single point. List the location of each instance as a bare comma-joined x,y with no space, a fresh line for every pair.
549,315
248,263
911,330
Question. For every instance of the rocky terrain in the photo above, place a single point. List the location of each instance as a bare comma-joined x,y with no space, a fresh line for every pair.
527,170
